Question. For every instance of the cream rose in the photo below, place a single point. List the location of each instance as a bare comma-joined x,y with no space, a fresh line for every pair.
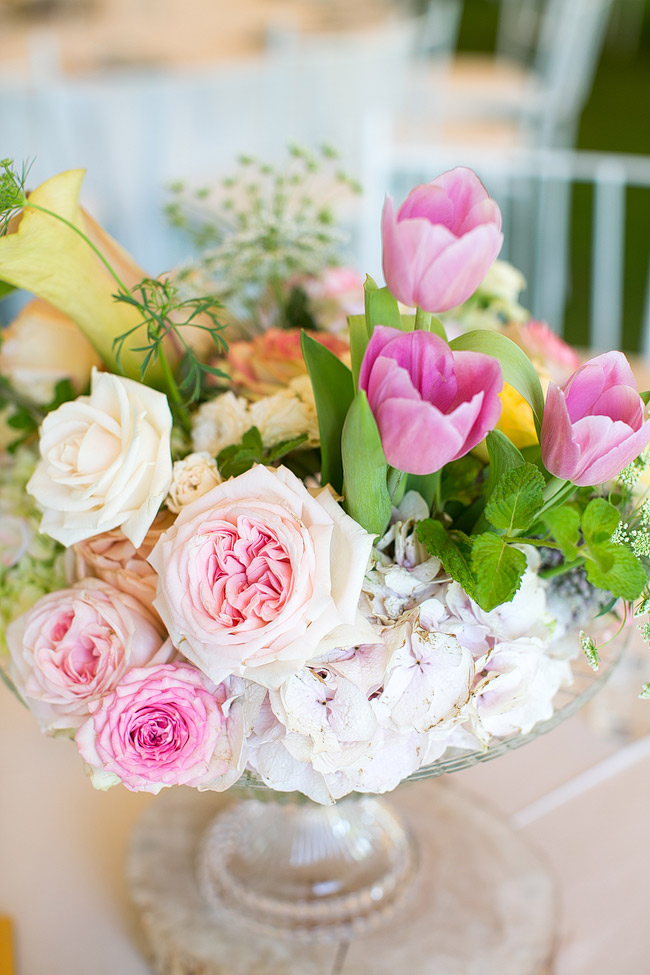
192,477
106,461
256,572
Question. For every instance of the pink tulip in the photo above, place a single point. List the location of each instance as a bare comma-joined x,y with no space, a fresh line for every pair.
593,427
438,248
431,405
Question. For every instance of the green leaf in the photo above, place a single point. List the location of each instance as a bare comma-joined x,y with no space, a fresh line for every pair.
517,368
564,525
285,447
425,484
600,520
452,548
5,289
333,392
358,344
237,458
459,479
504,457
366,497
497,568
516,500
381,307
615,568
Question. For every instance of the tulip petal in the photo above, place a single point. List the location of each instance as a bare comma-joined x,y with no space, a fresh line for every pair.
621,403
458,271
428,201
560,453
605,452
465,190
416,437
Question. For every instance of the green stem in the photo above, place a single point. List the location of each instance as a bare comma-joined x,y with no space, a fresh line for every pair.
422,320
560,570
80,233
394,480
173,391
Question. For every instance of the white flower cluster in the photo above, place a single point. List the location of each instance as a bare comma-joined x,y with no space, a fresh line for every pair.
224,420
440,673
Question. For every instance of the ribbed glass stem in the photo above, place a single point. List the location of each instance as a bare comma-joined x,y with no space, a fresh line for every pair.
320,872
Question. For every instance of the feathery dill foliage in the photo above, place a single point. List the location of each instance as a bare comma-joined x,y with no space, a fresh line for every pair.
262,226
12,191
165,313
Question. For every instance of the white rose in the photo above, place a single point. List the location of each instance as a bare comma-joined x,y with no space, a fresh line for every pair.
192,477
106,461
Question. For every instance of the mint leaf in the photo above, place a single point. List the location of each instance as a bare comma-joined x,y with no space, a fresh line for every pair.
504,456
615,568
452,548
497,568
285,447
517,499
600,520
237,458
564,525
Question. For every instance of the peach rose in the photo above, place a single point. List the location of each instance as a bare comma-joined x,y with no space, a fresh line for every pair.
256,572
106,461
270,361
114,559
42,346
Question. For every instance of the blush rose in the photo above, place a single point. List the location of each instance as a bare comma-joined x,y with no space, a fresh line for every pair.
256,572
74,645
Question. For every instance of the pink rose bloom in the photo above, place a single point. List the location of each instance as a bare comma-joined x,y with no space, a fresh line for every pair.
431,405
113,558
74,645
438,248
162,725
593,427
256,572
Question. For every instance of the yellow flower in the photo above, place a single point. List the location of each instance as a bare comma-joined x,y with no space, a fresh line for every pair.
48,258
516,419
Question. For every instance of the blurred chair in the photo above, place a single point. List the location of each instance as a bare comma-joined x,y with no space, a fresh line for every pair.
538,103
536,190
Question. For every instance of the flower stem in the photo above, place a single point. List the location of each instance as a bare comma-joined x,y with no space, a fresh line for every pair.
394,480
423,320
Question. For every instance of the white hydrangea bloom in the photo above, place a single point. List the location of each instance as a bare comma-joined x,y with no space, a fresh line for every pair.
220,422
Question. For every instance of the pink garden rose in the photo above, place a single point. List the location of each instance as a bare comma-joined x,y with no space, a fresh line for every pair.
161,726
256,572
431,405
74,645
593,427
439,246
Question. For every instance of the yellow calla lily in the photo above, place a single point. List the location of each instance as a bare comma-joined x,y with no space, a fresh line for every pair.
48,258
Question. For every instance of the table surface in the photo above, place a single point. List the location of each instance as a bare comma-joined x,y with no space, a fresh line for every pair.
579,794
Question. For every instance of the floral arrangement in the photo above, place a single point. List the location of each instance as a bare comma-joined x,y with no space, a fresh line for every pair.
312,559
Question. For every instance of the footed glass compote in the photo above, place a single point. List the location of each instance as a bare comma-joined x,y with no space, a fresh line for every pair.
253,882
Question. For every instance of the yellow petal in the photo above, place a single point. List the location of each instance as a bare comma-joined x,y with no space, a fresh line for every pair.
49,259
516,419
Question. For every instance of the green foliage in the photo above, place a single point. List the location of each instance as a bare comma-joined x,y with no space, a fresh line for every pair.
517,368
366,497
165,313
516,500
12,192
381,308
497,568
333,393
237,458
454,549
564,525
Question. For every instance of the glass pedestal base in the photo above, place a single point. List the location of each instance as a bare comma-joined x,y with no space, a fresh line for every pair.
474,901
